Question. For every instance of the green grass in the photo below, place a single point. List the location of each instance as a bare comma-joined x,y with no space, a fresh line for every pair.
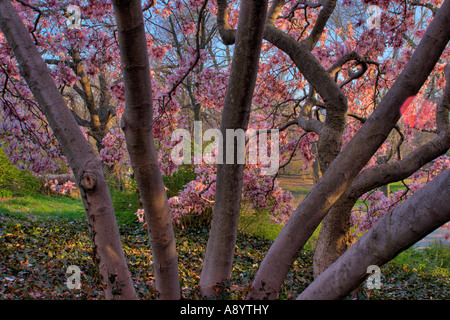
393,187
258,224
416,274
125,205
297,192
14,181
434,259
56,206
43,206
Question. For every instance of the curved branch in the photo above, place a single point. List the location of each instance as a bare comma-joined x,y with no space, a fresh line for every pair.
321,22
310,125
422,213
299,52
197,55
227,33
309,66
358,61
80,121
432,8
274,11
351,160
338,216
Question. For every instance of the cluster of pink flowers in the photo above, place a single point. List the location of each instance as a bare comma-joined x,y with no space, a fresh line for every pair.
63,75
114,147
375,203
140,215
261,192
197,195
420,115
195,3
212,86
264,193
64,188
158,52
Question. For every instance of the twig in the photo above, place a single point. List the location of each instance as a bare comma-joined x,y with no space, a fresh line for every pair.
197,56
26,4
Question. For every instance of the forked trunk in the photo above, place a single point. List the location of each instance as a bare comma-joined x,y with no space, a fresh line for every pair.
351,160
334,234
396,231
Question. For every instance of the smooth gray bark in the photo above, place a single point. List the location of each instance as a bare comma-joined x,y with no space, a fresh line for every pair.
334,235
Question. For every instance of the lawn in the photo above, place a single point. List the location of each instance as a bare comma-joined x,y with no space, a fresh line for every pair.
43,206
40,236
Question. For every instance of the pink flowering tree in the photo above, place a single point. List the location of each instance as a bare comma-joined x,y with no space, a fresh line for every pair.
367,106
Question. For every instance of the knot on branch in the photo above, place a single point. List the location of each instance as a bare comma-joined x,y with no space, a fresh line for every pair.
88,180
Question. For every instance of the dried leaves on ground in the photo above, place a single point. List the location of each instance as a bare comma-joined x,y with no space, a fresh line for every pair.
36,252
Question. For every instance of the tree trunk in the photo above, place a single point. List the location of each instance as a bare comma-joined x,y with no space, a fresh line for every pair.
386,190
396,231
351,159
334,234
108,252
236,112
137,124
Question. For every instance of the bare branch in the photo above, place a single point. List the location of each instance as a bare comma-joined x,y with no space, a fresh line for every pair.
358,61
80,121
321,22
197,56
443,108
227,33
433,9
151,3
26,4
